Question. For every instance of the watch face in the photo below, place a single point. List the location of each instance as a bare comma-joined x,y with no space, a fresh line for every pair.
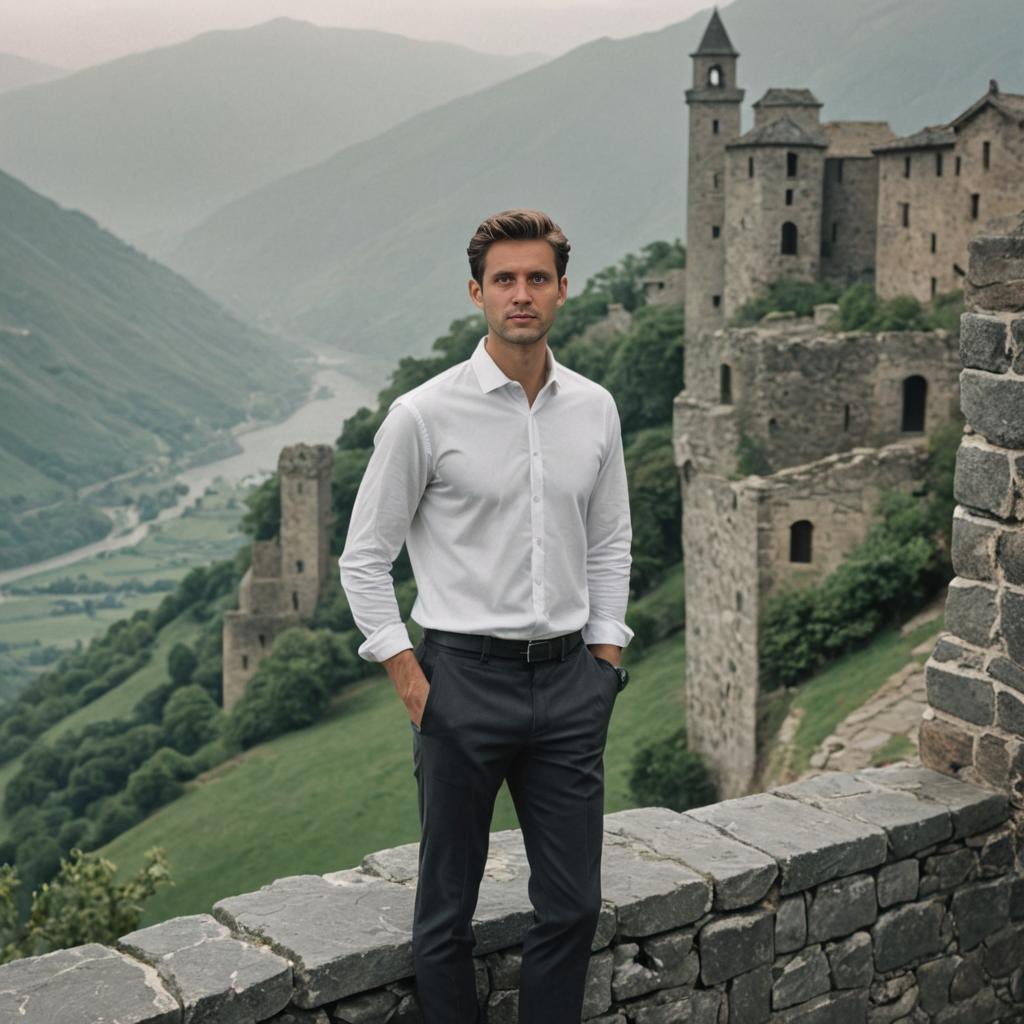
623,675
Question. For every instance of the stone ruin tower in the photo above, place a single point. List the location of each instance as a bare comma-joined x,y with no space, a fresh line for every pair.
833,419
283,583
974,727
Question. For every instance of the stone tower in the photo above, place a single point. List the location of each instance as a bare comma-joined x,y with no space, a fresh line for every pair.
774,180
974,727
283,582
714,101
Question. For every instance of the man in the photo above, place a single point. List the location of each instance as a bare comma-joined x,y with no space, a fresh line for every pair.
505,475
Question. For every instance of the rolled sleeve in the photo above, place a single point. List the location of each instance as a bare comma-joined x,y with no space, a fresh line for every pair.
609,537
388,496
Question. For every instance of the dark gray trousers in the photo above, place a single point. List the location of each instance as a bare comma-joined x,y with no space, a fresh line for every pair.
541,726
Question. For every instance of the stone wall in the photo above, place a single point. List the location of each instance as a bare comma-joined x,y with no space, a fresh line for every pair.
849,220
801,393
879,896
975,676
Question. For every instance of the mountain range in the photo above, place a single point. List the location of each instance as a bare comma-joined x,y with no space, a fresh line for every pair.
150,143
108,359
365,250
16,72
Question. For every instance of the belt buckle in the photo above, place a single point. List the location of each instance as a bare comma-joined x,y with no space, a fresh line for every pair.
529,646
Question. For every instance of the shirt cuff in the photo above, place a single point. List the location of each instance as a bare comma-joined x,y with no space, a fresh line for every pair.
605,631
385,642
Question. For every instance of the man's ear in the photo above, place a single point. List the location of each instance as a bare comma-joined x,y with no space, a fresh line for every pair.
563,289
476,293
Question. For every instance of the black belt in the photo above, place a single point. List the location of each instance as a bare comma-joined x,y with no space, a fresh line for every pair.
499,647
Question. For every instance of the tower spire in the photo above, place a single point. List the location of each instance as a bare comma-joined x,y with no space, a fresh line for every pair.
716,42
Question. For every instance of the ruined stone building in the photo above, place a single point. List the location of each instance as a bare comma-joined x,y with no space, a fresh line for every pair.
843,201
281,587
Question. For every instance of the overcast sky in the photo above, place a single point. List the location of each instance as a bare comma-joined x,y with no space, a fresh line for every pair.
75,33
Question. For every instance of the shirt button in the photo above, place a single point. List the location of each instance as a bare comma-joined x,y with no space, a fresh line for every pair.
537,541
537,581
536,453
536,497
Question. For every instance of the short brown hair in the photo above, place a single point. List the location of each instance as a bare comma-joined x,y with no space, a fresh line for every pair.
515,225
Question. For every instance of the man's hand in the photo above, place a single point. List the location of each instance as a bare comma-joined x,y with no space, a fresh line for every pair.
410,682
610,652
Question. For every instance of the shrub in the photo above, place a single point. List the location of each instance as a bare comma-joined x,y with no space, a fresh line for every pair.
667,773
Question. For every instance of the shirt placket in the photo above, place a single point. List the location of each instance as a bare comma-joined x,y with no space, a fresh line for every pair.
537,519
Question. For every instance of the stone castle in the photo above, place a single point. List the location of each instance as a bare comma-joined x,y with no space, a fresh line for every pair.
843,201
281,587
786,433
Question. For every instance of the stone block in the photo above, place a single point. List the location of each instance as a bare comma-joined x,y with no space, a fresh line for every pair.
740,874
214,975
992,759
908,933
1011,624
850,961
910,824
971,611
597,990
982,478
1007,672
1003,951
1010,712
791,924
673,1005
367,1008
973,546
972,808
948,870
949,648
897,882
341,938
84,983
933,980
735,944
750,996
984,342
849,1007
809,845
841,906
804,976
979,909
963,693
1017,344
650,895
664,961
944,745
1010,555
995,275
994,406
503,968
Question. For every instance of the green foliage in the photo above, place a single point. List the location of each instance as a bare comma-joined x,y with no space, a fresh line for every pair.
902,561
81,904
292,685
668,774
655,506
32,536
158,780
751,458
799,297
262,518
659,613
191,719
181,663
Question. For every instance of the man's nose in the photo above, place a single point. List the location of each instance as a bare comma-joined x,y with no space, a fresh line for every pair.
522,293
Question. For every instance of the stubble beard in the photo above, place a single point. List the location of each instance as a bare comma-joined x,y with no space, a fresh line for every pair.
523,335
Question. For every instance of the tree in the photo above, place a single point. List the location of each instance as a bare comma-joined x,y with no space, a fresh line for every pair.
191,719
667,773
81,904
181,663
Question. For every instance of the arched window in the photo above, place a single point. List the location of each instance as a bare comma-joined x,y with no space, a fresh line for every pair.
789,239
915,395
800,541
716,77
725,384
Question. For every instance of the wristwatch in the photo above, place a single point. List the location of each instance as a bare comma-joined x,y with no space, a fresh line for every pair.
623,675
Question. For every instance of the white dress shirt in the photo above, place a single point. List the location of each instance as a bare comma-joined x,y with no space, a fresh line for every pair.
516,518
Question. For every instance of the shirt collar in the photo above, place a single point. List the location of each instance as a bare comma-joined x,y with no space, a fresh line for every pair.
491,376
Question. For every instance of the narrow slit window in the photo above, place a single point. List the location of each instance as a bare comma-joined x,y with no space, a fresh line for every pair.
789,242
714,127
986,155
800,541
791,165
750,166
905,214
789,197
715,231
906,167
935,242
839,171
725,384
975,205
938,165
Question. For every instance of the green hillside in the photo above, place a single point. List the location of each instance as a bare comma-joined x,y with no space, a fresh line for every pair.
108,360
150,143
603,149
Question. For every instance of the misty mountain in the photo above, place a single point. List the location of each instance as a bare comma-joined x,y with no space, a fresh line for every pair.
367,249
149,144
16,72
108,359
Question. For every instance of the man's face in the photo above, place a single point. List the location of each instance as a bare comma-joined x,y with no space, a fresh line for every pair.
521,291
